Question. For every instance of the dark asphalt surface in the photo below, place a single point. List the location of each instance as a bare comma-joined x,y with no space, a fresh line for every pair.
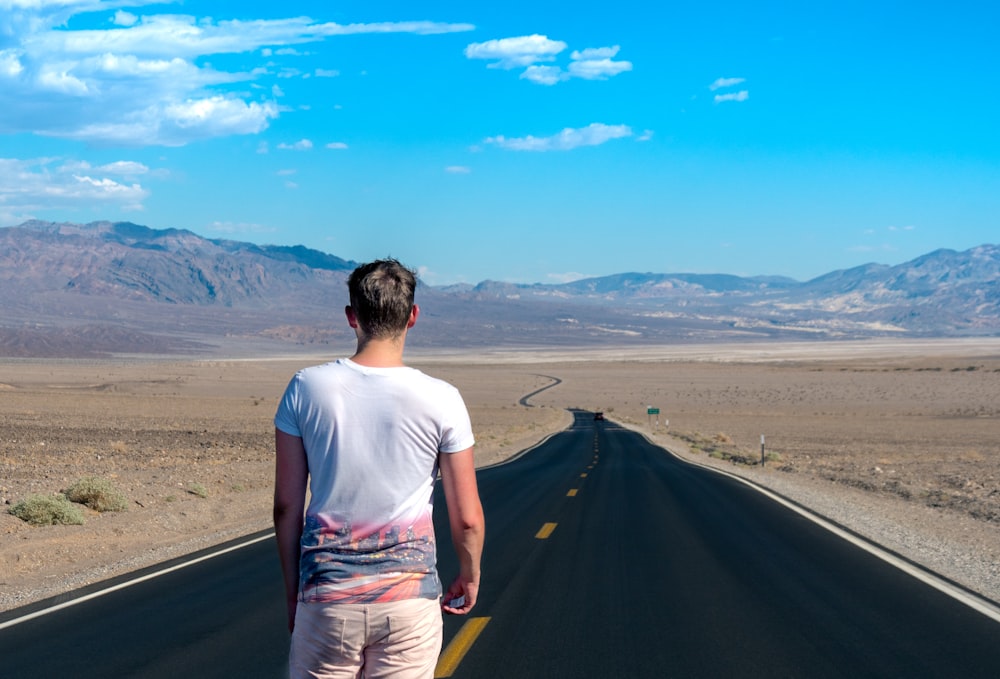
655,568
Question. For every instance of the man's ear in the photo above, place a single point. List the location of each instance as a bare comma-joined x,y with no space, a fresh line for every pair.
414,312
352,320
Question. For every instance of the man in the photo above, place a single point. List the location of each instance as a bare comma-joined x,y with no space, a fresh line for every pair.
370,435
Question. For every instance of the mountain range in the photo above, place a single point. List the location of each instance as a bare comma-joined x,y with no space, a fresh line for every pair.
78,290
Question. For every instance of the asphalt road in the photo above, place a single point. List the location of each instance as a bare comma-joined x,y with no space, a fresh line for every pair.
605,557
656,568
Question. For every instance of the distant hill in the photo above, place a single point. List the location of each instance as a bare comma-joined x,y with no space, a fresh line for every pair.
117,287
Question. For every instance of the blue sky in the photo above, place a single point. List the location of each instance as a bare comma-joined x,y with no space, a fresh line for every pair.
525,142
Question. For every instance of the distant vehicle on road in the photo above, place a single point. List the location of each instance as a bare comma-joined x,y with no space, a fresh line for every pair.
598,415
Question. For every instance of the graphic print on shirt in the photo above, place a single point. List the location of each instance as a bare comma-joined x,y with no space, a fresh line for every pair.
390,563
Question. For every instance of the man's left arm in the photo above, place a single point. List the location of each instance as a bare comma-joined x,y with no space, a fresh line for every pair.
468,528
291,474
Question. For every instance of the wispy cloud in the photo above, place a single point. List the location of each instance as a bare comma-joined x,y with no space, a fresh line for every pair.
742,95
336,145
145,79
535,54
723,83
458,169
30,186
594,134
726,82
300,145
119,168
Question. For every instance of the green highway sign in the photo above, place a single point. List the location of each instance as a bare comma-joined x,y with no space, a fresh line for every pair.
653,411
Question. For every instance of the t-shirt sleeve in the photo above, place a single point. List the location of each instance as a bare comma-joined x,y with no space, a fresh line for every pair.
285,419
457,433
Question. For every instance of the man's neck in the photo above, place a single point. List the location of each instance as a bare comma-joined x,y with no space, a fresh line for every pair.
379,353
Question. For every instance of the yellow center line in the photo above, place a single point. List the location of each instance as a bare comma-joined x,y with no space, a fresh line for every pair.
459,646
571,493
545,531
583,475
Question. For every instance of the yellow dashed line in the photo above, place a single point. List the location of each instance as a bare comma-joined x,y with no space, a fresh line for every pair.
571,493
545,531
583,475
459,646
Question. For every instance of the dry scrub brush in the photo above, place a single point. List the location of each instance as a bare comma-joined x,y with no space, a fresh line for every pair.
47,510
97,493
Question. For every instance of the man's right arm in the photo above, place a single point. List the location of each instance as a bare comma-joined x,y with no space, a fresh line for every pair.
468,527
290,478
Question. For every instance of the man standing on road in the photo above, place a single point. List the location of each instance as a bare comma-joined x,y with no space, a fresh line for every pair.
369,435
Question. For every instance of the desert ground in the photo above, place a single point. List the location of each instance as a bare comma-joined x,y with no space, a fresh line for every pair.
899,441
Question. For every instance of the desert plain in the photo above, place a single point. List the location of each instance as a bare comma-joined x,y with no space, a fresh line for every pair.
897,440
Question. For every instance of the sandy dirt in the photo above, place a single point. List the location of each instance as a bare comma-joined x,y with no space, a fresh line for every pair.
914,427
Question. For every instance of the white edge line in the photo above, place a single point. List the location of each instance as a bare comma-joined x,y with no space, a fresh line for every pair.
972,600
129,583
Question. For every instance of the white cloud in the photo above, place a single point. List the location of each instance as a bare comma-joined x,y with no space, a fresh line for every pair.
36,185
187,36
598,69
10,64
544,75
326,73
519,52
286,173
178,123
570,138
458,169
742,95
300,145
123,18
596,63
645,136
534,53
595,53
909,227
336,145
726,82
124,168
145,79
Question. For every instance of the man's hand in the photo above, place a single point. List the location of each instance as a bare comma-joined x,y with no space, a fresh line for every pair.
460,597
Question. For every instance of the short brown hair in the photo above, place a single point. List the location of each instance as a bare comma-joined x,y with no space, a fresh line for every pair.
382,297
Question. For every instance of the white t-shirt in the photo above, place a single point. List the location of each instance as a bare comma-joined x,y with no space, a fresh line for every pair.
372,437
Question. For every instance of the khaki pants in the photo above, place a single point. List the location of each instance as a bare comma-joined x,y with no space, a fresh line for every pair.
400,639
